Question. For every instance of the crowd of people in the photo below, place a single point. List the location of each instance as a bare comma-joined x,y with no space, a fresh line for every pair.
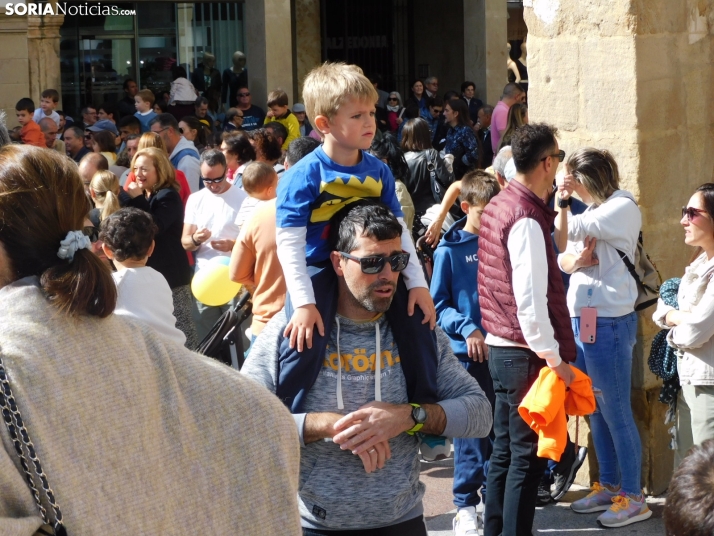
381,361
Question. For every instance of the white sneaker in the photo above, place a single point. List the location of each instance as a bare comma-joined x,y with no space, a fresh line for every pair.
469,521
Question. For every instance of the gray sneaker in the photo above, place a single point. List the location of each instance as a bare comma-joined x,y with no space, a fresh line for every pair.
598,500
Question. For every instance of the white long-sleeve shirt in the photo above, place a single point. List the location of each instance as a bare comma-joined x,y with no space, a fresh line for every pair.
291,243
529,276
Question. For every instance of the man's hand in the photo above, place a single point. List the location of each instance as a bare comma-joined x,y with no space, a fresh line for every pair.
201,235
587,257
476,346
564,372
373,423
376,457
225,245
421,297
302,325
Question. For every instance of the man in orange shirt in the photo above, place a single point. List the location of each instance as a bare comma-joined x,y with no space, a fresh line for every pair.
31,134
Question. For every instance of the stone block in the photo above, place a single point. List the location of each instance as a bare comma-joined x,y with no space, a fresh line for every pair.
659,16
14,46
604,18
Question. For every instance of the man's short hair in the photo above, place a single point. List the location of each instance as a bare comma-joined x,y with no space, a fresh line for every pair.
200,101
513,90
690,501
99,160
530,144
277,97
26,104
478,188
130,121
109,108
213,157
257,177
128,233
487,109
88,107
430,80
76,130
465,85
501,159
50,94
165,121
362,218
46,122
435,101
330,85
299,148
279,130
125,86
147,96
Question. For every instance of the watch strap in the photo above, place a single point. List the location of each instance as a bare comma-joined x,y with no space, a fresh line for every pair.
418,426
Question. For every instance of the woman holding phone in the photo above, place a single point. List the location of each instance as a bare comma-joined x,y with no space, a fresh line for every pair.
601,301
691,328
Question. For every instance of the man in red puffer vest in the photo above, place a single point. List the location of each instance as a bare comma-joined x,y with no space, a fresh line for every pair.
523,307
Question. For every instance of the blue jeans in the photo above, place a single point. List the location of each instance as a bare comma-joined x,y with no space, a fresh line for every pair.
471,455
608,362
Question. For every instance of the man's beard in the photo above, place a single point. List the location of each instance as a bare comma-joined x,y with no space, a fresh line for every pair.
372,303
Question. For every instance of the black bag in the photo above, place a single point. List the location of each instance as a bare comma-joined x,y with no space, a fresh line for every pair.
225,341
440,182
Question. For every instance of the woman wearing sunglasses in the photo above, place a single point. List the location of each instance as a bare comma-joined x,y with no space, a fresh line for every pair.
156,192
601,301
691,328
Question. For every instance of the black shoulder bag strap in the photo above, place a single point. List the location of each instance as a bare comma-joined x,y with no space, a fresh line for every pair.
16,426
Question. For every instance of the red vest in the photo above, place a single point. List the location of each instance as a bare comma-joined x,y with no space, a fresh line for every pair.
495,289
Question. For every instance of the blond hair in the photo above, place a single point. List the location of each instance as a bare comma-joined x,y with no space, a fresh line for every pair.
330,85
165,174
151,139
597,171
147,96
258,177
105,186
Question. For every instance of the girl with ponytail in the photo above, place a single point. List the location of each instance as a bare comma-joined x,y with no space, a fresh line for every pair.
104,189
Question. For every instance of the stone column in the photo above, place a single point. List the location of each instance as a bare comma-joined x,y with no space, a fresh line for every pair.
268,48
633,77
14,64
308,39
485,38
43,43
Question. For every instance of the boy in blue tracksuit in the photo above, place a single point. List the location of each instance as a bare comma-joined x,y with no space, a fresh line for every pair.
455,293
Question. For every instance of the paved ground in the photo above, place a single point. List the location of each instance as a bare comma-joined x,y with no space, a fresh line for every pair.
556,518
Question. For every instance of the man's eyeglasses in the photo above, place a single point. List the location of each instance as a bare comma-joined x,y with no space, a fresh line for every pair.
560,155
160,131
691,212
88,137
244,94
374,265
239,117
213,181
393,98
91,232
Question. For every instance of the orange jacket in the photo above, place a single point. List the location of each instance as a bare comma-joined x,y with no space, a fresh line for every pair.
31,134
546,404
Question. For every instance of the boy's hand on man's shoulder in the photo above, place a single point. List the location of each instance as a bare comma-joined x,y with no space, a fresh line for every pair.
420,296
302,325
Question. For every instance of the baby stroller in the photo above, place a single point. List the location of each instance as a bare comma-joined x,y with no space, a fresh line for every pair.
225,342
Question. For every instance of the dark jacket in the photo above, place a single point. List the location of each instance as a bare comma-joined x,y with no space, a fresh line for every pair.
474,106
80,154
495,285
126,106
169,257
199,81
419,182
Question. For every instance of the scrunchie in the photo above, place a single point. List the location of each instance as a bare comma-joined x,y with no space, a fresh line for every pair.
74,241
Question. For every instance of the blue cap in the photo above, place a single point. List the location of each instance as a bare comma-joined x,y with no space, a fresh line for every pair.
104,124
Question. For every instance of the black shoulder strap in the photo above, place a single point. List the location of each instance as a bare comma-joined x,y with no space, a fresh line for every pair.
630,266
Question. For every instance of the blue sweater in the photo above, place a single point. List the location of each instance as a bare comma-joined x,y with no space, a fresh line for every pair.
145,120
454,287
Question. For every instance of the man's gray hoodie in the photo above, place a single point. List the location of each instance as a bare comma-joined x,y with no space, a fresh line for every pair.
335,492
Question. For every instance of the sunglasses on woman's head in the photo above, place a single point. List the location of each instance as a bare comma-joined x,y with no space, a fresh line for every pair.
374,265
691,212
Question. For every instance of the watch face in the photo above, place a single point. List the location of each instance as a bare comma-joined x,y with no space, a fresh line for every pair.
419,415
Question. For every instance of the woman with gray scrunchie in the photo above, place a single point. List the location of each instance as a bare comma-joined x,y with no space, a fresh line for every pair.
691,328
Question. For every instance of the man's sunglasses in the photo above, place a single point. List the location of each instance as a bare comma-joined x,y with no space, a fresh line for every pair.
213,181
691,212
374,265
91,232
244,94
560,155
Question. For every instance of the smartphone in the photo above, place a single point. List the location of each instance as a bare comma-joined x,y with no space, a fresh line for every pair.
588,324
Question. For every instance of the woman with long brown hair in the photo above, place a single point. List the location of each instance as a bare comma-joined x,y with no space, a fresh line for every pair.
156,191
517,117
107,420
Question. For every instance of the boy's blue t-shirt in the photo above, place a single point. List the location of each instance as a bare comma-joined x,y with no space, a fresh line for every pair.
454,287
314,189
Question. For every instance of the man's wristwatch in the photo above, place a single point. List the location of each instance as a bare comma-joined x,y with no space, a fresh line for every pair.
563,203
419,417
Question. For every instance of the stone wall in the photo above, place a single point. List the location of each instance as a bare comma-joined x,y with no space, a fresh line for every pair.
633,77
14,64
308,39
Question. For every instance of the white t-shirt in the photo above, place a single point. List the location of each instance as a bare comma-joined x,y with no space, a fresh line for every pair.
217,213
39,115
246,212
144,294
